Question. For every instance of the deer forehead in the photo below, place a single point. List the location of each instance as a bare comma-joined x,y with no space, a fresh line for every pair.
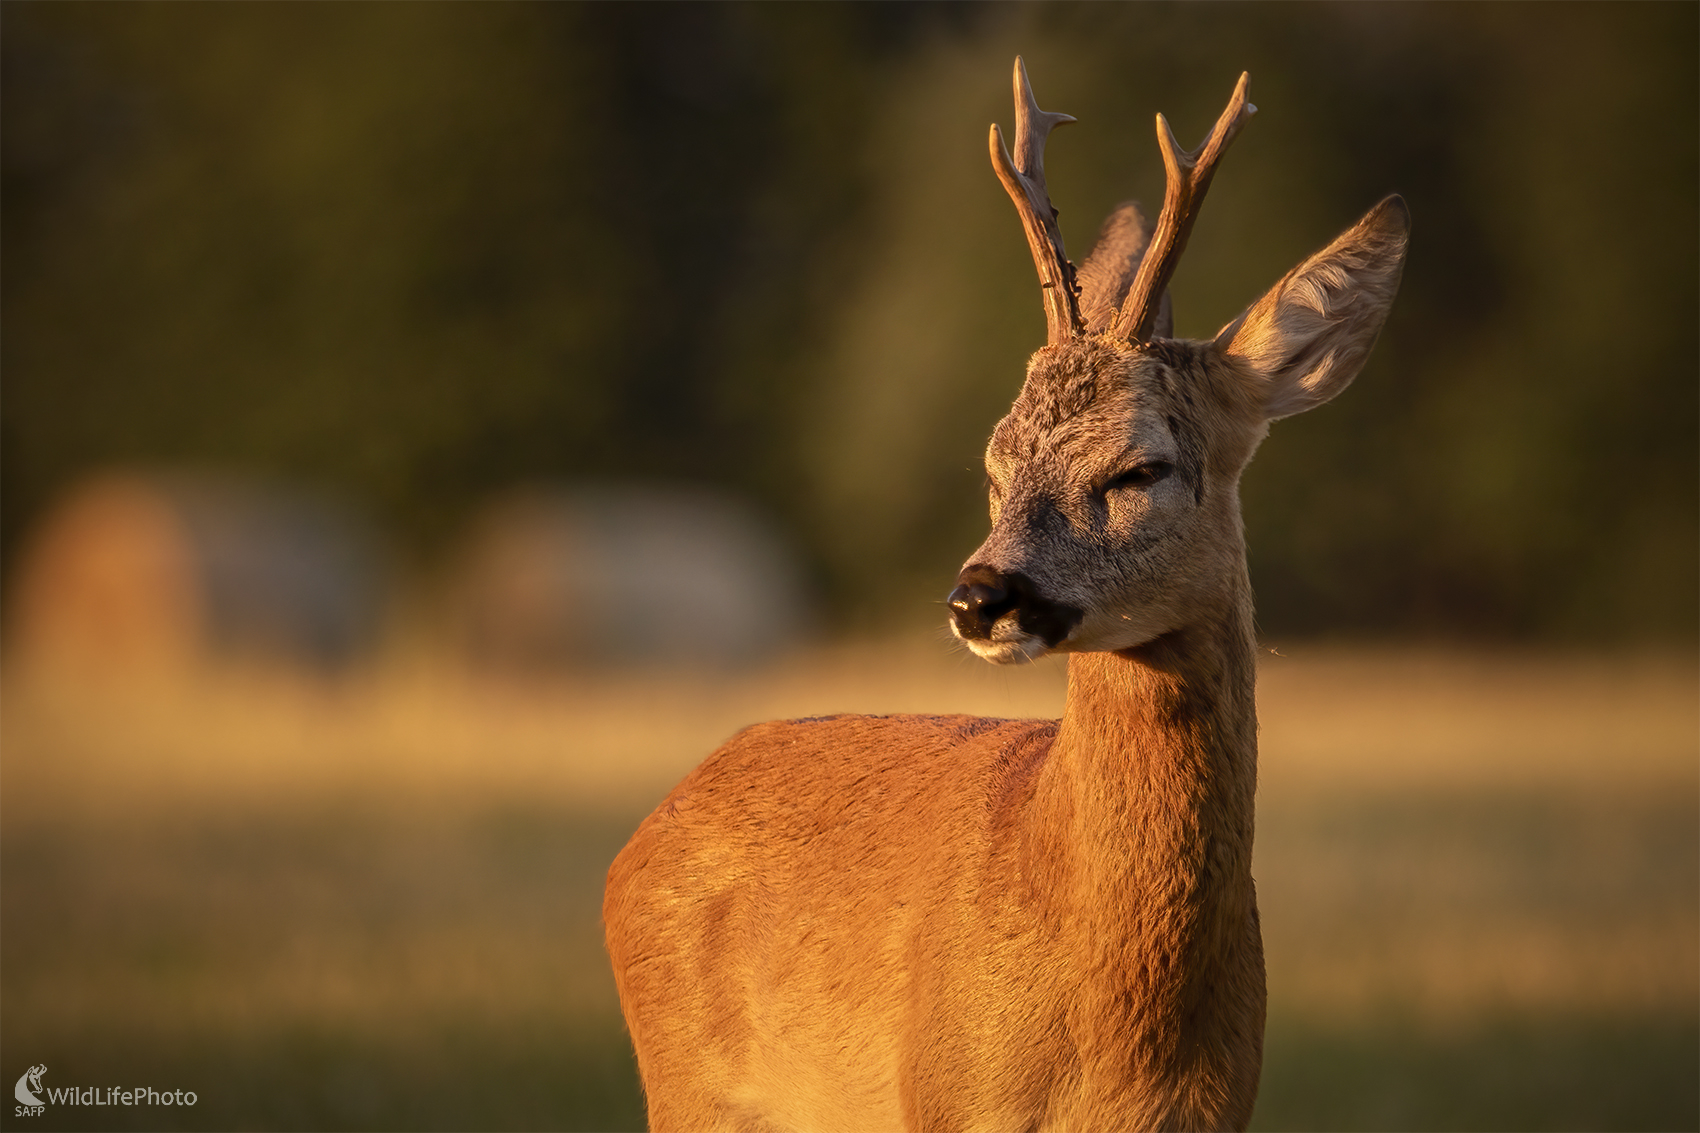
1086,411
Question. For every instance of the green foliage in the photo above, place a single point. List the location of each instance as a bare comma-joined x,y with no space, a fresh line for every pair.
421,252
302,241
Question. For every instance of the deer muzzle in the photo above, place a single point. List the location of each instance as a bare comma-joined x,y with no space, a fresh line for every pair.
989,605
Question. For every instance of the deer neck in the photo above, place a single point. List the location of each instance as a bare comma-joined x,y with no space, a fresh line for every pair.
1154,769
1142,835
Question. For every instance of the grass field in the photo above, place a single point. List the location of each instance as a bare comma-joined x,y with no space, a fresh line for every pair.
375,905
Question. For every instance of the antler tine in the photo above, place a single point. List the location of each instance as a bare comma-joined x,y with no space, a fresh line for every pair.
1188,179
1024,180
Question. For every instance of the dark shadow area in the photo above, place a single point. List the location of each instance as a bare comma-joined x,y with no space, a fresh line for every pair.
346,966
457,1074
1517,1073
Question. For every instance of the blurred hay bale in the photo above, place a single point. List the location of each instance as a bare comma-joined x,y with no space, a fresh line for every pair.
556,577
136,574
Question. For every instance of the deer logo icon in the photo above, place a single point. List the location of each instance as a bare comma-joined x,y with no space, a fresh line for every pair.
25,1090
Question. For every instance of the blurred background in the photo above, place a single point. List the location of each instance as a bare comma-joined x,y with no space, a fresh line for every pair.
428,430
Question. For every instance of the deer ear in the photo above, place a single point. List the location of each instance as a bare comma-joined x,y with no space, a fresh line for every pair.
1306,339
1109,271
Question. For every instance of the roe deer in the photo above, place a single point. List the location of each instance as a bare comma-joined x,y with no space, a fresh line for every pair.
944,922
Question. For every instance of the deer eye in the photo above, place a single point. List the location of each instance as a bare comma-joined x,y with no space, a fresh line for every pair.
1142,476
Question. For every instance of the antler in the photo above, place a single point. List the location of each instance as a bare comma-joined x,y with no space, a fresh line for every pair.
1188,173
1024,179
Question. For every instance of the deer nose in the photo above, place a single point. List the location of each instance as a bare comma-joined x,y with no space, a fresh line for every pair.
984,594
978,601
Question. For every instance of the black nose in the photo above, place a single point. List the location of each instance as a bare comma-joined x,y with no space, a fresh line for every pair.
980,599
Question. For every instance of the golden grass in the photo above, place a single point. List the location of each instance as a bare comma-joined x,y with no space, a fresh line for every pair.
1351,719
419,726
1444,837
1332,720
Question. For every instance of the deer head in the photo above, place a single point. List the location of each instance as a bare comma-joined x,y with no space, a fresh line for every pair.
1114,478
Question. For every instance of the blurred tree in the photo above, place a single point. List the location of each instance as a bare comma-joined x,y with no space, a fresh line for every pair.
419,253
344,243
422,252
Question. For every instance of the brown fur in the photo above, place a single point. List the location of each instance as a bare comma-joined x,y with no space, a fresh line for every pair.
933,923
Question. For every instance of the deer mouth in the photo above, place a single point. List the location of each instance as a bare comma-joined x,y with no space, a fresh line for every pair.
1016,651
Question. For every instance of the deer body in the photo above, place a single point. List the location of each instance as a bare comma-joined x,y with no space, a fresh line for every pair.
961,923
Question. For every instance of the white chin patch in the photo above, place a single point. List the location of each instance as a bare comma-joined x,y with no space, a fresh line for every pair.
1017,651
